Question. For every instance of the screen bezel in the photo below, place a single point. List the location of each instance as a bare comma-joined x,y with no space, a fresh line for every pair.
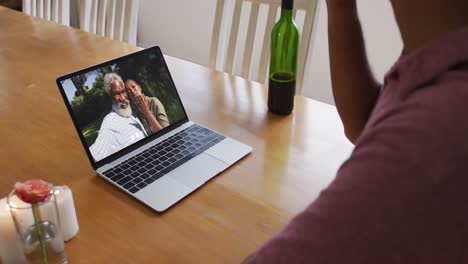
136,145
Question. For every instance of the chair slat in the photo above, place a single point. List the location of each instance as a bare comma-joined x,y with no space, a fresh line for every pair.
101,18
93,16
47,9
64,12
26,7
119,19
55,11
110,19
33,7
40,8
266,43
233,37
304,45
216,33
85,14
246,62
131,21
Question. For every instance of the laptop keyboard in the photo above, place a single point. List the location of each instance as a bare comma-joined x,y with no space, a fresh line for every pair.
141,170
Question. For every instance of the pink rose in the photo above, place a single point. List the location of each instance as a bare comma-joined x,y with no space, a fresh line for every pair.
33,191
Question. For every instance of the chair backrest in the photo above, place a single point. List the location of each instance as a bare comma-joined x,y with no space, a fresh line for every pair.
52,10
115,19
227,63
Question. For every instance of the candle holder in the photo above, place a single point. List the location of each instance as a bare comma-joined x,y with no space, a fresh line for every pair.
38,228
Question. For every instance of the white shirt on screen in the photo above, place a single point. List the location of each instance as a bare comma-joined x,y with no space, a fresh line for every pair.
116,133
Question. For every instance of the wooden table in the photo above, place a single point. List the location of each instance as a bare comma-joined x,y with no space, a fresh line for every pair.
294,157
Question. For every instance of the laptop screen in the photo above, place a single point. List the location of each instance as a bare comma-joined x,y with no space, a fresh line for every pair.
121,102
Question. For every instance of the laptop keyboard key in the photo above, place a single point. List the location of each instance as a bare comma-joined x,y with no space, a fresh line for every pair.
192,149
117,177
128,185
134,189
149,180
124,180
134,167
149,166
142,185
137,180
176,151
209,138
144,176
153,151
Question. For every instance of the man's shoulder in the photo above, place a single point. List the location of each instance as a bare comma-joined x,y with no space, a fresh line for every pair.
110,118
446,93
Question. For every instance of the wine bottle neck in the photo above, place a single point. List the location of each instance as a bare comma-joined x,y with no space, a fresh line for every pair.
286,13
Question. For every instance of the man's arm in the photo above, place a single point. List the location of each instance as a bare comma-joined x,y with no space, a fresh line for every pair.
354,88
397,199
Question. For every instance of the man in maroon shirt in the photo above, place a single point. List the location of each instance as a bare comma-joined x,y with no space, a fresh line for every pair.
402,197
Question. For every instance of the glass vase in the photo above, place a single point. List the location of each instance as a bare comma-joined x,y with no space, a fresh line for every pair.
38,228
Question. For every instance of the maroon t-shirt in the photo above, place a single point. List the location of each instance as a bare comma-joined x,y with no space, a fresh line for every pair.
402,197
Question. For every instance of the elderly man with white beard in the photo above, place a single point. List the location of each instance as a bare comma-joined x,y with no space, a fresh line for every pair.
119,128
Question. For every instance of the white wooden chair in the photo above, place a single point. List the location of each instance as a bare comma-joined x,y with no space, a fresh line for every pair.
115,19
227,63
52,10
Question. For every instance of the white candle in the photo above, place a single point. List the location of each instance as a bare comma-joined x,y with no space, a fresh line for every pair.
66,210
11,250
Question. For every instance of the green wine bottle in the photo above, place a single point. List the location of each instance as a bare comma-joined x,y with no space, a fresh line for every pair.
283,62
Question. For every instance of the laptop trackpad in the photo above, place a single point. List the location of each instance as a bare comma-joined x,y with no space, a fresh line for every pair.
198,170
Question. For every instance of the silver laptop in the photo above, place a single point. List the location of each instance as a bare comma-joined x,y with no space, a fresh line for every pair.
136,133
